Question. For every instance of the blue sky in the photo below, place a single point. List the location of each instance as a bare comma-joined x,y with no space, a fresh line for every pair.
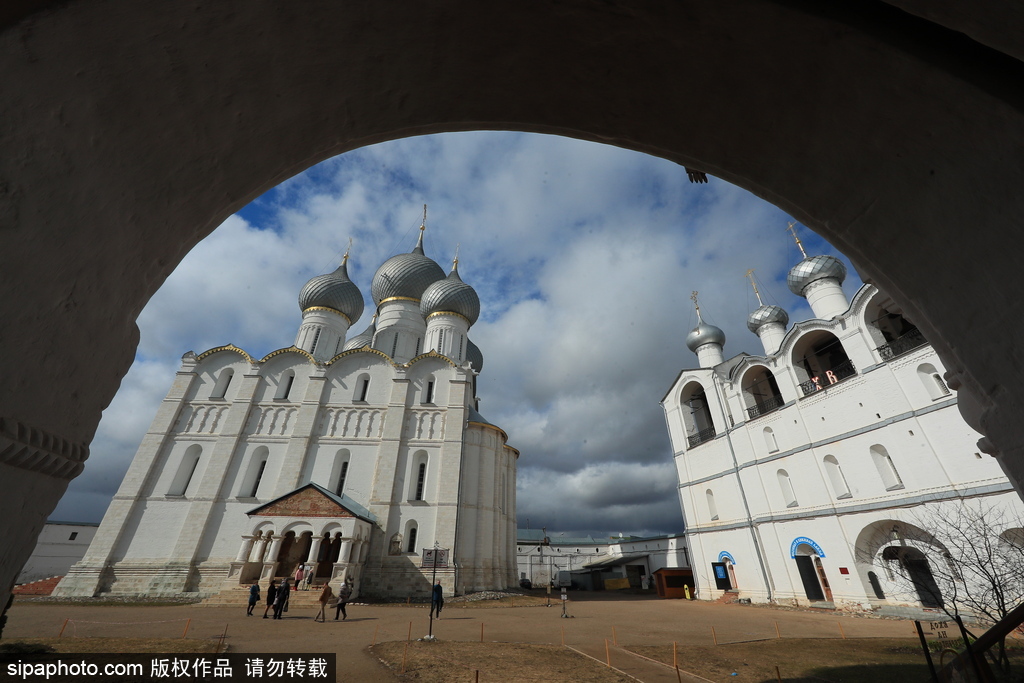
584,257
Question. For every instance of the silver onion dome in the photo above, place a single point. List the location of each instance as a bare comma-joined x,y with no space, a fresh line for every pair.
704,334
405,275
333,290
451,295
812,269
364,338
767,314
474,356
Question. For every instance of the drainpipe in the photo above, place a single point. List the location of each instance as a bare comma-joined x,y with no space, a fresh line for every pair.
754,535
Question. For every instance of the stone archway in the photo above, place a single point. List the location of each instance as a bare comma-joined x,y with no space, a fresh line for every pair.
131,131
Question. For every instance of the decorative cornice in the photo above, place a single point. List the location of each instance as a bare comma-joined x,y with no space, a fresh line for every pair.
329,310
397,298
229,347
452,313
32,449
431,354
362,349
289,349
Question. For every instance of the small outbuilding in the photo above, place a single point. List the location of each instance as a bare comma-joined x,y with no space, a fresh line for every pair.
674,583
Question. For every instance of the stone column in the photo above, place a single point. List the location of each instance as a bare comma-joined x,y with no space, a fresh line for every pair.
346,551
245,548
314,553
275,548
260,548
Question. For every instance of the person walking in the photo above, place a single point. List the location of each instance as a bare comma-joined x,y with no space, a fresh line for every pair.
271,596
254,597
436,600
298,577
281,601
325,597
344,593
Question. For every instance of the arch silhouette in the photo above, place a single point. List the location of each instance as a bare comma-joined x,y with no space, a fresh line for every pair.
131,135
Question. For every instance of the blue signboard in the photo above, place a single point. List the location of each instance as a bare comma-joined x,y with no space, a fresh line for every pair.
802,540
723,556
720,571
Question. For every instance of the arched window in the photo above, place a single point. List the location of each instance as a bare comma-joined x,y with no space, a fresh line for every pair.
820,361
788,495
250,484
220,389
421,480
339,471
186,471
932,381
284,386
418,476
761,393
712,508
362,387
696,415
769,440
894,334
411,531
835,477
886,469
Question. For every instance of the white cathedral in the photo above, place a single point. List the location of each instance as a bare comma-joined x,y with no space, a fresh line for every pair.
805,470
353,454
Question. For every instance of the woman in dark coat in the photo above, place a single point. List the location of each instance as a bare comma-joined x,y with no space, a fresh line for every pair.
271,595
254,596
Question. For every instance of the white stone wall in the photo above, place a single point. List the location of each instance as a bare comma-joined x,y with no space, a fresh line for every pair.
896,405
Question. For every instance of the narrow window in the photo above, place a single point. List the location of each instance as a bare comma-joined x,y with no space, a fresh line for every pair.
186,470
788,495
394,345
341,478
223,380
712,508
418,342
412,540
421,480
337,347
886,469
460,347
932,381
365,388
284,388
316,338
440,341
73,536
259,478
836,478
430,392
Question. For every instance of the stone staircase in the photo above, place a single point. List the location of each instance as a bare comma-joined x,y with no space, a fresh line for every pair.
238,596
41,587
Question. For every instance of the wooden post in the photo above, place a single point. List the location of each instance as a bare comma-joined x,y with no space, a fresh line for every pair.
409,637
408,600
679,676
375,635
220,647
63,627
481,631
607,653
778,674
675,655
405,655
841,632
477,676
713,635
615,641
187,624
778,633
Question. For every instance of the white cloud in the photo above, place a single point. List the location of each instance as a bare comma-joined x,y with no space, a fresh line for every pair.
584,257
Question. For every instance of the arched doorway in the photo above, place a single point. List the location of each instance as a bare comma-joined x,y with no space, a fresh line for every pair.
913,564
125,152
812,572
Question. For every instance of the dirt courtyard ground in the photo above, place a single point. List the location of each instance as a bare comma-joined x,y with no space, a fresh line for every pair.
625,621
